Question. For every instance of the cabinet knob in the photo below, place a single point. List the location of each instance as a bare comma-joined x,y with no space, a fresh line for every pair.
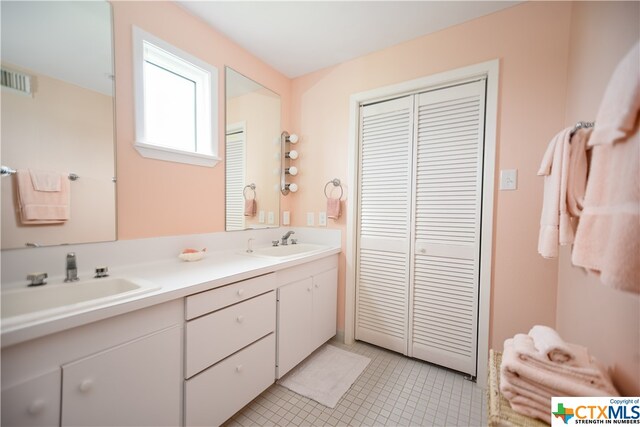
240,319
317,286
423,251
239,368
240,292
36,407
86,386
309,288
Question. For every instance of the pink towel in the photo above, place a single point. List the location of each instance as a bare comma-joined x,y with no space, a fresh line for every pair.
45,181
562,380
607,236
42,207
618,112
333,208
555,225
250,207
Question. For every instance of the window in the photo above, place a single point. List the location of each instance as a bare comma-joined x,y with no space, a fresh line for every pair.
176,102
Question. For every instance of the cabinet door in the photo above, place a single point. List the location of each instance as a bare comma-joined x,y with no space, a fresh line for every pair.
325,301
137,383
35,402
295,319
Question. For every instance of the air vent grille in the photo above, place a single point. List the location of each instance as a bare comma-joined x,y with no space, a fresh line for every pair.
16,81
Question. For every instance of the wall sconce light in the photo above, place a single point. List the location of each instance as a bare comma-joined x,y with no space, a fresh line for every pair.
287,157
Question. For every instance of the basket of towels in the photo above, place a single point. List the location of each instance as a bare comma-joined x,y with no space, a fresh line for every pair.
541,365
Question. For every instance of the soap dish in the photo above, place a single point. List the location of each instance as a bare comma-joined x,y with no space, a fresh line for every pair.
192,255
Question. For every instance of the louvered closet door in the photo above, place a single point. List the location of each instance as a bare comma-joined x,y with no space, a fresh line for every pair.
450,140
382,294
235,181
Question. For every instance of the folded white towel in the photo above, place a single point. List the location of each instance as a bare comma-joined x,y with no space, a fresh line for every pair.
549,343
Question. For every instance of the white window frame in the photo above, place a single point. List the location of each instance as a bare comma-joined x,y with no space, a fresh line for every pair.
203,74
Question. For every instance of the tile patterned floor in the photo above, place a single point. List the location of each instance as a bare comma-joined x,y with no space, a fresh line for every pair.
392,391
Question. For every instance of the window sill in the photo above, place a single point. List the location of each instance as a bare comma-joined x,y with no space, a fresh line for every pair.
178,156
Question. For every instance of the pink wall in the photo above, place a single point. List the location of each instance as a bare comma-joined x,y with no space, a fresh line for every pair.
531,40
605,320
158,198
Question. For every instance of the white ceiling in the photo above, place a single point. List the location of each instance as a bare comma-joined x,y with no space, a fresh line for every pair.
299,37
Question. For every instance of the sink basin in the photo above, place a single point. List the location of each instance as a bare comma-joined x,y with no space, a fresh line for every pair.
288,251
33,303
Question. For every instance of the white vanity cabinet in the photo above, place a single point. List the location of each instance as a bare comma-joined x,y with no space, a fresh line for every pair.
122,371
135,384
229,349
307,306
33,402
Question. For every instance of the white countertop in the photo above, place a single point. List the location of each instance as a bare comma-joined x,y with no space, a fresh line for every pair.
176,279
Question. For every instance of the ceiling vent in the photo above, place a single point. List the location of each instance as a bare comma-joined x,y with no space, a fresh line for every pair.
17,81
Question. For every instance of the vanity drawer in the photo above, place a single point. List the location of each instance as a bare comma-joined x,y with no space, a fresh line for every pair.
215,299
219,392
215,336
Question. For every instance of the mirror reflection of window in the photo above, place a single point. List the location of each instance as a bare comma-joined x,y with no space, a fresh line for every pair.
256,110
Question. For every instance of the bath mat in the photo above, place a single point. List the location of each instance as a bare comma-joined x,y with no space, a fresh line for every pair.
325,375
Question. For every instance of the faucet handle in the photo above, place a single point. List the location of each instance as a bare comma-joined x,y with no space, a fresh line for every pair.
275,242
37,279
294,241
102,272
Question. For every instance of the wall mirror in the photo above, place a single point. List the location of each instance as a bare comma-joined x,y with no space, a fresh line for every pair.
57,122
252,154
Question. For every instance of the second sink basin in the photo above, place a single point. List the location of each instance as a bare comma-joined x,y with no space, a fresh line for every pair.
288,251
33,303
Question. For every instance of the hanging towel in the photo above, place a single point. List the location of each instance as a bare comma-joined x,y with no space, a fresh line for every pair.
577,175
250,207
555,224
45,181
607,236
333,208
42,207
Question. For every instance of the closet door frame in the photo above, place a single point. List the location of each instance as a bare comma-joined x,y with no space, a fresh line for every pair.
490,71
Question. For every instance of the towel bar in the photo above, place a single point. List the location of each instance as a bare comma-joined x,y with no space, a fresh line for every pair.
7,171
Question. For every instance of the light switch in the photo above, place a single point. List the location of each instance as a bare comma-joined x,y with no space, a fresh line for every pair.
286,218
310,219
508,179
322,219
261,217
271,218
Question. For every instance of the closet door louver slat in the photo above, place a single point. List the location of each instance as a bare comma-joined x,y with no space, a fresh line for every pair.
449,148
235,181
386,131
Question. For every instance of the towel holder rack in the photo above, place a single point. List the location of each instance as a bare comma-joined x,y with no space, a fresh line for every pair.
7,171
581,125
336,183
251,187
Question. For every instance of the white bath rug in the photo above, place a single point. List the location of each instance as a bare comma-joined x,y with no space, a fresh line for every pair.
326,375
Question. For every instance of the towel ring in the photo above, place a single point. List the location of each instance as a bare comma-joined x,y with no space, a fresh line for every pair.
252,187
336,183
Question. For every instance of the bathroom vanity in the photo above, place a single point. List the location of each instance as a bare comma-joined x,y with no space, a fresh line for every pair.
193,352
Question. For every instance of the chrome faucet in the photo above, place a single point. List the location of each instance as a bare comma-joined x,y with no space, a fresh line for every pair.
286,236
72,268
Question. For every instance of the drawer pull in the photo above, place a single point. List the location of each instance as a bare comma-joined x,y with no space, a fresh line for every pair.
86,386
36,407
240,319
309,288
317,286
240,292
239,368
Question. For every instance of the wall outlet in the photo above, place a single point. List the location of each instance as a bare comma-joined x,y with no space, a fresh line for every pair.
508,179
311,219
261,217
286,218
271,218
322,219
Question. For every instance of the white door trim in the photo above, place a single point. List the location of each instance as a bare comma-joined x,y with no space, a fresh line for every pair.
490,69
